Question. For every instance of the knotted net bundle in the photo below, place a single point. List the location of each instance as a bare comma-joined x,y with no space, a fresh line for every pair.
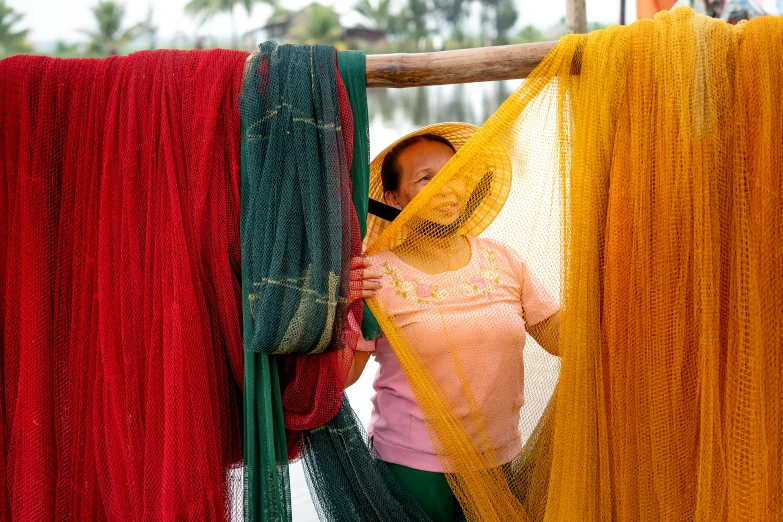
634,179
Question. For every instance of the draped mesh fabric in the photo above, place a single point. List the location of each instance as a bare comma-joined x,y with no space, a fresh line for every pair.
643,191
119,290
299,230
636,174
345,481
352,67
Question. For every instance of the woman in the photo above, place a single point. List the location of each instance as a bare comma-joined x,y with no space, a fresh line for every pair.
478,286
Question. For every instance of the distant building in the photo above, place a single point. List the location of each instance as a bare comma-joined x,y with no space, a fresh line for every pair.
277,28
281,28
365,39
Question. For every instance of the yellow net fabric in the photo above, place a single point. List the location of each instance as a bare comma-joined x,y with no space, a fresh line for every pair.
642,191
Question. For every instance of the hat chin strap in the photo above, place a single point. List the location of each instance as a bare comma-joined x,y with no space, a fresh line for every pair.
424,227
382,210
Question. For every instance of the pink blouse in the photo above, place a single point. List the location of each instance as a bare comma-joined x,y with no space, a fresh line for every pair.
483,307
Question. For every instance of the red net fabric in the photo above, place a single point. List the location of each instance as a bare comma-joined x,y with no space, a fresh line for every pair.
119,287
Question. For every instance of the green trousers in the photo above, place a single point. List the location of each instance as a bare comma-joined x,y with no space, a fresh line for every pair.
431,490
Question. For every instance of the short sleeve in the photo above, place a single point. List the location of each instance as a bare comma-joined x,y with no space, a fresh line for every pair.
537,302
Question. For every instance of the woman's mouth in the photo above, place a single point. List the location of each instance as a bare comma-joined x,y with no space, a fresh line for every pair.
446,208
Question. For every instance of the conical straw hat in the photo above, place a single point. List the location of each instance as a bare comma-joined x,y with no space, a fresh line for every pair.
489,191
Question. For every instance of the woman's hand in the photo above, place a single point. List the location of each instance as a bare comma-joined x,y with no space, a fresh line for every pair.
365,282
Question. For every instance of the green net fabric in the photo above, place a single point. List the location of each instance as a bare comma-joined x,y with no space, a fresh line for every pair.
267,493
296,214
299,231
346,483
352,66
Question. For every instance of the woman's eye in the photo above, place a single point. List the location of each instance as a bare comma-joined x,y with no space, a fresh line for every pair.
425,178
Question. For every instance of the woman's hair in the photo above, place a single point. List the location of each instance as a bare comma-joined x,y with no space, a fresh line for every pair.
390,168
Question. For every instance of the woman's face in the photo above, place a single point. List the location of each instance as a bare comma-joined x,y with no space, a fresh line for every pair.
419,163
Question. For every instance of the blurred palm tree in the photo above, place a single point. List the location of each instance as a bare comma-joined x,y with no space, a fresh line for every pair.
381,17
378,13
206,9
11,41
417,16
504,14
453,13
530,34
110,35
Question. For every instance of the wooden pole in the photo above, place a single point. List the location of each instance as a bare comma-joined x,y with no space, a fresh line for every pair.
483,64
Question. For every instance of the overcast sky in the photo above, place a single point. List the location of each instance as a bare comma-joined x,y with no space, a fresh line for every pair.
51,20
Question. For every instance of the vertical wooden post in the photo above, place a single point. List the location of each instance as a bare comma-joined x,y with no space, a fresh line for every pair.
576,16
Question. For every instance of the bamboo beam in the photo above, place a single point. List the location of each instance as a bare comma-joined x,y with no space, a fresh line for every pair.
483,64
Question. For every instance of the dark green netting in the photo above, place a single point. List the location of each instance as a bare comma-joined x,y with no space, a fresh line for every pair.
296,227
345,482
298,232
352,66
267,494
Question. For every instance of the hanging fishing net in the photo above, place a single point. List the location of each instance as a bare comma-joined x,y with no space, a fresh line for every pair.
622,210
623,207
120,326
299,232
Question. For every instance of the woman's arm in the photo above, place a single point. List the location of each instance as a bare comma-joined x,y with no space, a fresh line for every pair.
547,333
357,367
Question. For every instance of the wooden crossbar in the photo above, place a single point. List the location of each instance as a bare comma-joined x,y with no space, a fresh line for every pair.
482,64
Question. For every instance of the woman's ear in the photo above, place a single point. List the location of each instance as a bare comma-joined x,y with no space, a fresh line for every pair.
391,199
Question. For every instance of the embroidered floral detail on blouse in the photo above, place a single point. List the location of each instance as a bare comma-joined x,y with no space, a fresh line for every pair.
422,293
486,282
